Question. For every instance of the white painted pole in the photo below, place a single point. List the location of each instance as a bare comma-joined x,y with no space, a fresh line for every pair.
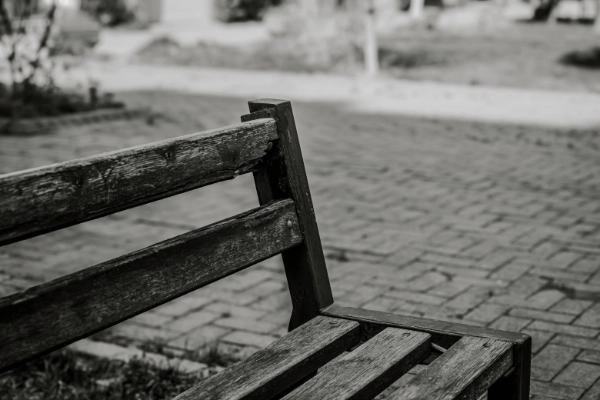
416,9
371,48
597,18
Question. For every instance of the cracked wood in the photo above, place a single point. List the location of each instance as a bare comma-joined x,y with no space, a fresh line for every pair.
269,372
54,314
367,370
44,199
464,372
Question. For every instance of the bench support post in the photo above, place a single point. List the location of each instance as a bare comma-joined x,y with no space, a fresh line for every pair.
282,175
515,386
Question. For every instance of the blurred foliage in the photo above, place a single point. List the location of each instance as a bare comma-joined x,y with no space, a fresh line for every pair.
30,101
524,56
109,12
588,58
27,43
65,375
242,10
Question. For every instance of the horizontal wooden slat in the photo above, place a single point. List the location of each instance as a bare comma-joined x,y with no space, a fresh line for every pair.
442,332
464,372
52,315
368,370
285,362
43,199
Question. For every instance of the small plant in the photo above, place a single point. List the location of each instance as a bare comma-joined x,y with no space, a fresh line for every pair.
27,45
210,354
589,58
213,355
240,10
109,12
65,375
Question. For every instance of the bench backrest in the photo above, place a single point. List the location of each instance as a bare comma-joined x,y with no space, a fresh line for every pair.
36,201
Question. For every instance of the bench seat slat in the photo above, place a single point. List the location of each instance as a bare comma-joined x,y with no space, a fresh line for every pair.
368,370
465,371
280,365
44,199
59,312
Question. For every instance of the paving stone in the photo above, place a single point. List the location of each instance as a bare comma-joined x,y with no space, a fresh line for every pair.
578,342
449,289
415,297
151,319
593,393
590,356
565,329
579,374
511,271
556,390
541,315
539,338
554,357
590,318
510,324
247,324
469,299
192,320
570,306
545,299
427,281
249,339
588,264
542,374
486,312
198,338
385,304
182,306
144,333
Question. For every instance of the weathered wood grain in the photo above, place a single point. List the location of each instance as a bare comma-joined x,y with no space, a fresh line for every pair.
442,332
270,371
464,372
43,199
515,386
367,370
52,315
282,175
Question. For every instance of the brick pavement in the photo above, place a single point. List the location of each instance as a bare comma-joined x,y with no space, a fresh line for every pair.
495,225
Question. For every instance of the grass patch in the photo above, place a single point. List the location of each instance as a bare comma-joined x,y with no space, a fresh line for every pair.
211,354
65,375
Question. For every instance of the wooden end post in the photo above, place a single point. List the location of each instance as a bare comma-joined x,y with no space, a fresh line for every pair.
282,175
515,386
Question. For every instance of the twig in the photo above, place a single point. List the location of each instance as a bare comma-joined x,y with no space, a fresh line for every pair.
43,42
6,24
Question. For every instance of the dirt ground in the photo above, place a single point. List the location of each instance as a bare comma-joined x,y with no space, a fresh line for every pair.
525,55
522,55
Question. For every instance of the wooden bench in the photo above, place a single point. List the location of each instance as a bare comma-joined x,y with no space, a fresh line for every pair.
331,352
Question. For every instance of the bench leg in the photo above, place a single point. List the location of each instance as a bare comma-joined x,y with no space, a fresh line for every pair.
514,386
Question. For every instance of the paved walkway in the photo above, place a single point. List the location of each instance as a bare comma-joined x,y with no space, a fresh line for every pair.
495,225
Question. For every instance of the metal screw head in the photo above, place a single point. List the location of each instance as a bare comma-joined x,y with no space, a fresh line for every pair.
334,322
